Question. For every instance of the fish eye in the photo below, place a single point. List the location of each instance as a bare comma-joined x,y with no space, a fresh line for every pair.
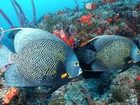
76,64
138,52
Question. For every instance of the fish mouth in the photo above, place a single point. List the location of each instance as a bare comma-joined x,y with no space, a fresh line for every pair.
80,71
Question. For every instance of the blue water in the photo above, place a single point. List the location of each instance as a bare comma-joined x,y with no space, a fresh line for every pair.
42,7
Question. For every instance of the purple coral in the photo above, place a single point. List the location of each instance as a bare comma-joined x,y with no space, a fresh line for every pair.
34,12
6,18
17,13
22,15
2,33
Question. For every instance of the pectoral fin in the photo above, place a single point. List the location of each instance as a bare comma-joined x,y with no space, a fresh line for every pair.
97,66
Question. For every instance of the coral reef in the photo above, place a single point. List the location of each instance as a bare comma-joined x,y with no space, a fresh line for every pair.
122,87
70,94
110,89
120,17
116,17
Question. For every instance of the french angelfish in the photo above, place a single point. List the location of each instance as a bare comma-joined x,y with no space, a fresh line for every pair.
41,62
108,52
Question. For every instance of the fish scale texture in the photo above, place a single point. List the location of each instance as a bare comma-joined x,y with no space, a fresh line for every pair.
114,54
27,35
40,58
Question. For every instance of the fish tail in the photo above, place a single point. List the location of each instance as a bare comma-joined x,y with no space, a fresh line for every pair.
14,77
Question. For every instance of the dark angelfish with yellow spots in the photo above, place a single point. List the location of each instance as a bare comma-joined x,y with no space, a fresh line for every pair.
109,52
41,62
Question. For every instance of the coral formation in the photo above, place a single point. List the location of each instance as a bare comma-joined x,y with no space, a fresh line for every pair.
99,17
70,94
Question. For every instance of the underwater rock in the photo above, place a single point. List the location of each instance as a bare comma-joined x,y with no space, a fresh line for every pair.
116,88
122,87
70,94
29,96
101,91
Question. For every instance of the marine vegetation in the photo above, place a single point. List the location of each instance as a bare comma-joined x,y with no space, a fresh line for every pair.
24,22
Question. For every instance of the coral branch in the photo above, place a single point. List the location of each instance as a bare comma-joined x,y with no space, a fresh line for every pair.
6,18
2,33
34,12
23,18
17,13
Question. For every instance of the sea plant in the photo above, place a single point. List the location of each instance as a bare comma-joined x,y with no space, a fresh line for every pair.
24,22
20,14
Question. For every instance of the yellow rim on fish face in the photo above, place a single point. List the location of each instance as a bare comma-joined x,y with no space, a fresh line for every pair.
64,75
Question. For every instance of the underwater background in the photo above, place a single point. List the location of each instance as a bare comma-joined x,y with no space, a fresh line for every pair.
42,7
102,36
